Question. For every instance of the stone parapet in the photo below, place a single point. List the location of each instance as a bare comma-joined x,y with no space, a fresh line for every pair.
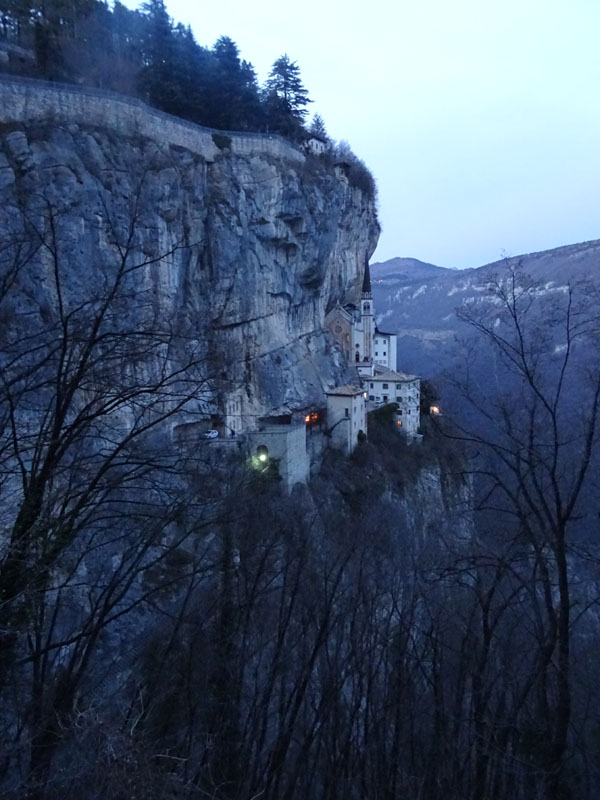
26,100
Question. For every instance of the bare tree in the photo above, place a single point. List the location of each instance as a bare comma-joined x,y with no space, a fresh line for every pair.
92,373
532,392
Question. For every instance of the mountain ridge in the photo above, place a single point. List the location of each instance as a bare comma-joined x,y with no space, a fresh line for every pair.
418,301
409,265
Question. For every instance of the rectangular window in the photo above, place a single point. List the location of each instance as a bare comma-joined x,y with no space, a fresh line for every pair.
400,412
384,353
376,353
347,410
372,396
398,386
370,386
385,386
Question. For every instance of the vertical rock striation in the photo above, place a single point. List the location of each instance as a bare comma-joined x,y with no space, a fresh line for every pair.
244,247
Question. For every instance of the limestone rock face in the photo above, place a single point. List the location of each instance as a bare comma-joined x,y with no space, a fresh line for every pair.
245,250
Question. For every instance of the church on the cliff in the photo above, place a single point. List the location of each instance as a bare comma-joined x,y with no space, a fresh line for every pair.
359,337
363,344
374,353
293,439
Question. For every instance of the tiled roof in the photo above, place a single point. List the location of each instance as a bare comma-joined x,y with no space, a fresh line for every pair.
345,391
393,376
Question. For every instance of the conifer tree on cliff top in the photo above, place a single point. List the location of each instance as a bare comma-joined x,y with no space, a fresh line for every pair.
286,97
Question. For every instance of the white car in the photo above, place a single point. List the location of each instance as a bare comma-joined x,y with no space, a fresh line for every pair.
210,435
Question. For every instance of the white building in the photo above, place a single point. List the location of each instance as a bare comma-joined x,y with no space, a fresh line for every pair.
397,387
384,350
346,416
285,444
316,145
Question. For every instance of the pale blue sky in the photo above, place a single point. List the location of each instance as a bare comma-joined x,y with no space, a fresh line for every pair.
480,120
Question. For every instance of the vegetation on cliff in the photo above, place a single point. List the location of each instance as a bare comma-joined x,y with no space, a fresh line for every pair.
144,53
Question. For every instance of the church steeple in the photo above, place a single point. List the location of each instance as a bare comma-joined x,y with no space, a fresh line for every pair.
366,323
366,286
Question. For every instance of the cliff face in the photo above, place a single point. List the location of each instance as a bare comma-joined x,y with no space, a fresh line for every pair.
244,242
284,245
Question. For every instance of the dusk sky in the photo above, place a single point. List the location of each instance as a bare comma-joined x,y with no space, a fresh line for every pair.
480,120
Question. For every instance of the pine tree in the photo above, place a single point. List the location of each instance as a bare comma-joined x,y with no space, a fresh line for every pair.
285,97
157,78
235,103
317,128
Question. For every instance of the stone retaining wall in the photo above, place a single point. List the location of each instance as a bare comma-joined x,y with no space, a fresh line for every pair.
26,100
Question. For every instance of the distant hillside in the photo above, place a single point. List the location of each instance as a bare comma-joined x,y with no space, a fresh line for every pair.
404,267
419,300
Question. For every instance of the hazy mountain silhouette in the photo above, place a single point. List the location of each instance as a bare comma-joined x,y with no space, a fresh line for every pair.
419,300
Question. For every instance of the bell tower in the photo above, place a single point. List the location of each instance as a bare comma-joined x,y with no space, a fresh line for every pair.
366,313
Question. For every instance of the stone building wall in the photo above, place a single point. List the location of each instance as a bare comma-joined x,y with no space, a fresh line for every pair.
286,444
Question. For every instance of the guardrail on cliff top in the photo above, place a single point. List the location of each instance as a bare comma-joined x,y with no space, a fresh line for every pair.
42,88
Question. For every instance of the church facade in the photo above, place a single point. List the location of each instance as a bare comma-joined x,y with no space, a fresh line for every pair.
354,328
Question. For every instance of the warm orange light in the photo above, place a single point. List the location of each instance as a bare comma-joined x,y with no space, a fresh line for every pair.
399,423
434,409
307,418
314,417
